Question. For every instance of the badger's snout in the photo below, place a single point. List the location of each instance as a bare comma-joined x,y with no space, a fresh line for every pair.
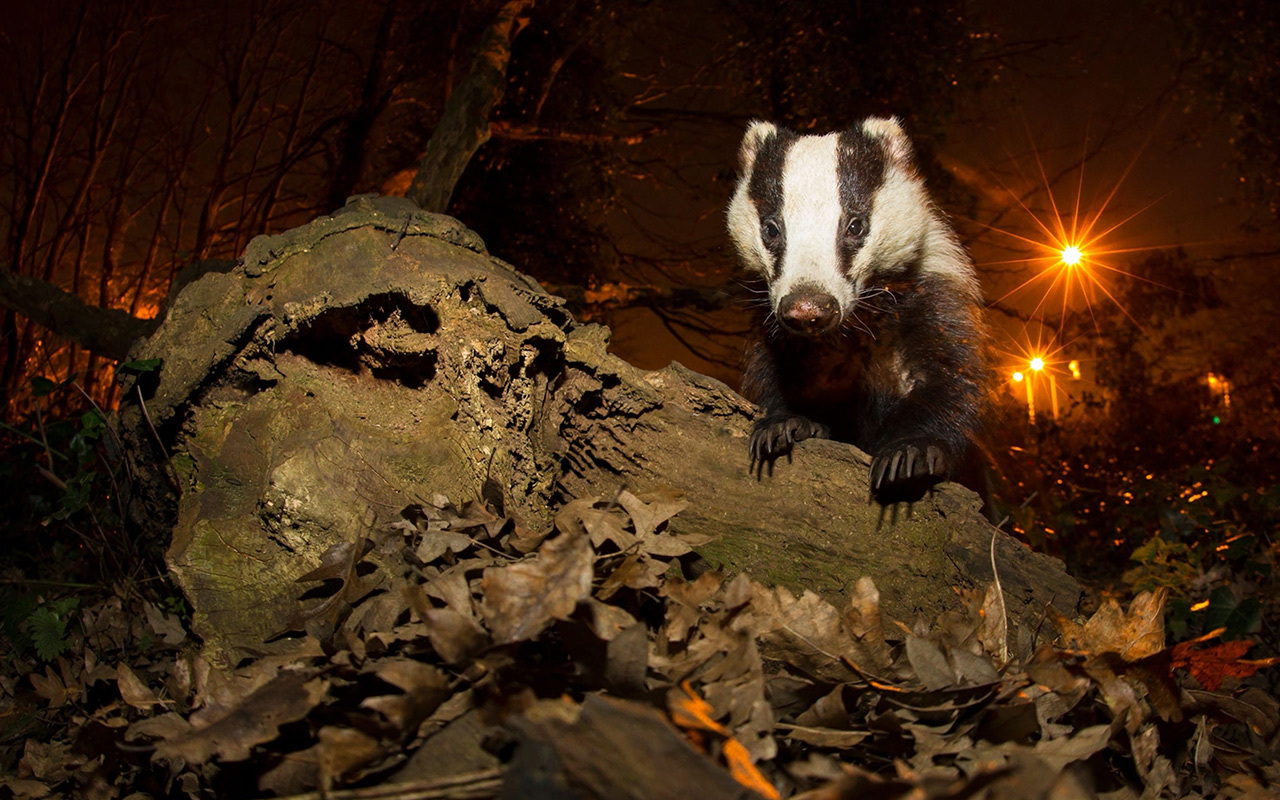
809,312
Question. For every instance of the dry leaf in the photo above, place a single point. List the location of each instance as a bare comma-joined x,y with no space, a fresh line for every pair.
52,688
133,690
1212,665
1133,635
930,665
805,633
343,752
862,618
600,524
637,571
651,509
288,697
435,544
522,599
457,638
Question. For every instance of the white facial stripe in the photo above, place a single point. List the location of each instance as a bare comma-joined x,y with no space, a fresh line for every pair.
900,220
744,229
811,218
905,228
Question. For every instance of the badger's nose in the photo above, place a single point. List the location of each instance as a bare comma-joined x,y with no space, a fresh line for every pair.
809,312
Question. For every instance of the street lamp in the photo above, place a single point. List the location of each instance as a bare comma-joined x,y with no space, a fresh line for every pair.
1018,377
1037,365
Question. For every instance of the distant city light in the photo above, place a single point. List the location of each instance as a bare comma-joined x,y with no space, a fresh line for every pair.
1017,377
1074,366
1071,256
1037,363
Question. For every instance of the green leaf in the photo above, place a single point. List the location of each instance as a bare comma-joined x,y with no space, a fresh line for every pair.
92,424
41,386
1237,617
139,367
48,633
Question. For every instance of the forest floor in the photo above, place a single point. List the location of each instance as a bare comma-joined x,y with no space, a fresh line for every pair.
589,661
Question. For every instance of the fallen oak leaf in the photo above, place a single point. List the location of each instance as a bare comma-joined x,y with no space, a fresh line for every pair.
521,599
1133,635
1212,665
287,697
637,571
133,690
583,516
339,562
435,544
651,509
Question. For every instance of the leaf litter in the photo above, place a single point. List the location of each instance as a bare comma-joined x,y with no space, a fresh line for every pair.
589,660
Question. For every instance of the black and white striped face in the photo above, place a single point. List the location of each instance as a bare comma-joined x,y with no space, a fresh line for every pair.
825,218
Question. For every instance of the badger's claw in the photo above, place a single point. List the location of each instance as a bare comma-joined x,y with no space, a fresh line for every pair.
913,460
775,435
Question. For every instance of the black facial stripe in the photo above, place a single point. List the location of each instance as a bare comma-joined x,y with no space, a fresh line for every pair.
861,167
765,189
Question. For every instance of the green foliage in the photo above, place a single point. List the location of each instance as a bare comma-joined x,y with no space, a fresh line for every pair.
65,520
31,624
1223,611
47,628
140,366
1161,564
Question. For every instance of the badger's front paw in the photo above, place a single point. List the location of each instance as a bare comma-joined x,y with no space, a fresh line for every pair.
774,435
919,462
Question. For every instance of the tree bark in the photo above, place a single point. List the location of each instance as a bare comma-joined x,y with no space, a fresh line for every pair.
377,357
464,125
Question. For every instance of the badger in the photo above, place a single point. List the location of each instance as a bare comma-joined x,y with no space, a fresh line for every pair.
872,334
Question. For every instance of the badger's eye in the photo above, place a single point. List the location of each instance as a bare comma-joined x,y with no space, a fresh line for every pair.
770,230
856,228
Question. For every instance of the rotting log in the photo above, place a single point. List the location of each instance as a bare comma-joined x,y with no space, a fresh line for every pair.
379,356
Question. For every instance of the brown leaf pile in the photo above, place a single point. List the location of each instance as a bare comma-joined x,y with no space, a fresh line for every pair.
584,662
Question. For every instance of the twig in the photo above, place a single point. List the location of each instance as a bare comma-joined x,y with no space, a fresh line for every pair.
1004,614
458,787
173,473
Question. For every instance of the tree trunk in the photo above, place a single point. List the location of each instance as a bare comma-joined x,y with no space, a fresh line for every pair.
464,125
378,357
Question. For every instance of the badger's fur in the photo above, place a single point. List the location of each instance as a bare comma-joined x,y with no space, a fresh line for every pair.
872,336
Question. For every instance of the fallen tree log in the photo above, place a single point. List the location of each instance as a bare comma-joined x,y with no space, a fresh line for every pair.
371,359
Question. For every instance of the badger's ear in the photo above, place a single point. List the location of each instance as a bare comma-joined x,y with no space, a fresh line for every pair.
757,134
891,136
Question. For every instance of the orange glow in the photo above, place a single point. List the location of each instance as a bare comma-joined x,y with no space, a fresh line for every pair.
1071,255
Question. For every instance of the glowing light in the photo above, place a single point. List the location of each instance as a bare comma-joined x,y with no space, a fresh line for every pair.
1201,606
1074,366
1017,377
1068,257
1037,363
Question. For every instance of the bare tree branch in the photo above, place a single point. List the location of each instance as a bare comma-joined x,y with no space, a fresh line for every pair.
465,126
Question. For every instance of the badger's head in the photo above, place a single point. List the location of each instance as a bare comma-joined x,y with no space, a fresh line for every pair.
828,219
